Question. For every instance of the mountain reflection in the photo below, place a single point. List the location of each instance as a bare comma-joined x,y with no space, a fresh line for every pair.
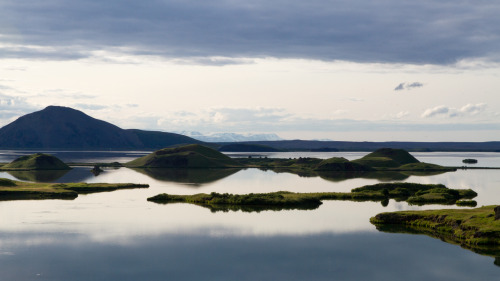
196,177
383,176
39,176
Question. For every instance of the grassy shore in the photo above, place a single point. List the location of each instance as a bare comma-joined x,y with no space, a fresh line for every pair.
16,190
472,228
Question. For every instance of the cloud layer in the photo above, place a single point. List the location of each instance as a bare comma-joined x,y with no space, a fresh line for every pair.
445,111
437,32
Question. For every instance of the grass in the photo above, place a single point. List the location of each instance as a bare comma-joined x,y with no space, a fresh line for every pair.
471,227
16,190
418,194
188,156
385,155
285,199
38,161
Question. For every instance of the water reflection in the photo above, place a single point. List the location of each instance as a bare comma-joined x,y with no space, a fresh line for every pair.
195,177
380,176
39,176
203,255
490,250
214,208
121,236
338,176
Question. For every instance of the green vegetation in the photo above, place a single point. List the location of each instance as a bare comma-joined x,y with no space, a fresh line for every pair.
285,199
418,194
469,161
12,190
424,167
216,201
387,158
198,156
472,228
188,156
341,164
38,161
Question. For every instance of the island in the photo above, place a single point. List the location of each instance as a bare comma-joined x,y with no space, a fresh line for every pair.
187,156
17,190
37,161
413,193
476,229
199,156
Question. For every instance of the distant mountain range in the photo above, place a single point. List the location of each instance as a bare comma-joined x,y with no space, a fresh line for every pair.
230,137
306,145
64,128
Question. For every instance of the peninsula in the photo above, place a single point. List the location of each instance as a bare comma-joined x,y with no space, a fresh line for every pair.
17,190
477,229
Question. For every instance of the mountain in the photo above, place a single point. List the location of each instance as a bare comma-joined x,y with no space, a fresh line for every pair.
307,145
64,128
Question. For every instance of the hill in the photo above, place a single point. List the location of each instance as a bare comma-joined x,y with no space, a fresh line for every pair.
187,156
388,158
38,161
341,164
64,128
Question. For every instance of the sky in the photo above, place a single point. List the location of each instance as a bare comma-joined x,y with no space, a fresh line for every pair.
353,70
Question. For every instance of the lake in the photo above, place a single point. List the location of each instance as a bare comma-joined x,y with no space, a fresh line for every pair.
120,236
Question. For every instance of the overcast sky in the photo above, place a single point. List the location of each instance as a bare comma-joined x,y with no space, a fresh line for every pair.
341,70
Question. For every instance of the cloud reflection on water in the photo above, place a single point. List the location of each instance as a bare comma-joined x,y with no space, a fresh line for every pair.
197,256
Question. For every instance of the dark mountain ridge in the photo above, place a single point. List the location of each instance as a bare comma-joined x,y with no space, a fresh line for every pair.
310,145
64,128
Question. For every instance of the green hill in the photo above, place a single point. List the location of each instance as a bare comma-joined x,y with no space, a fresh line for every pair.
341,164
387,158
38,161
188,156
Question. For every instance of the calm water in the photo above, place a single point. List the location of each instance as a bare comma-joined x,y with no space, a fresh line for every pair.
120,236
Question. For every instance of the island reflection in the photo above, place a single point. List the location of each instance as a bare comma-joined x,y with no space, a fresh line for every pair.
194,177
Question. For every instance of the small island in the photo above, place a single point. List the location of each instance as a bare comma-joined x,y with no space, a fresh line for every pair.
469,161
17,190
476,229
413,193
199,156
187,156
37,161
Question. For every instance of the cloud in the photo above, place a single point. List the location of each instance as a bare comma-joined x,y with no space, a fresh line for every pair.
466,110
84,106
12,107
473,109
438,110
408,86
276,120
229,118
390,31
